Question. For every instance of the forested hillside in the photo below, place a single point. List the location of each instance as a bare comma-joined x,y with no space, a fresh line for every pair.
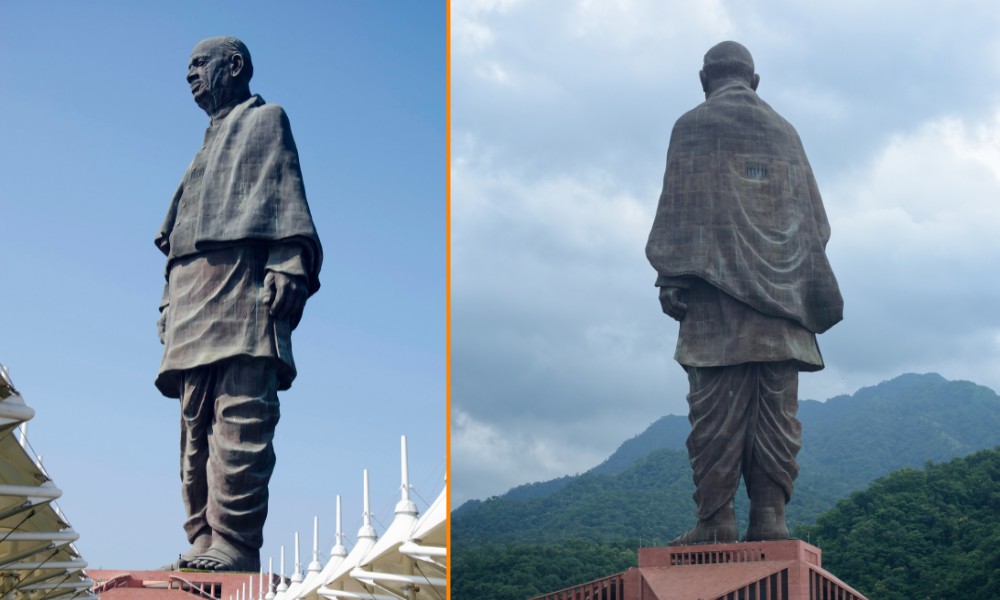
914,534
848,441
928,533
642,493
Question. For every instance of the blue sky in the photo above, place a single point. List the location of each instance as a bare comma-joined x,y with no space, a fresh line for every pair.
97,126
561,120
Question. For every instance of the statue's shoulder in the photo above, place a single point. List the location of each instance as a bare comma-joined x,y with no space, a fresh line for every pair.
266,115
271,110
693,121
263,110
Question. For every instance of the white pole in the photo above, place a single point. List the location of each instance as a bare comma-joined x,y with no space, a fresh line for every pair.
367,515
367,531
270,579
340,524
282,586
405,505
297,575
406,475
338,545
314,566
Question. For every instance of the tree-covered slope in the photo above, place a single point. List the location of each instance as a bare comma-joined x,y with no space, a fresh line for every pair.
520,571
848,442
914,534
931,533
644,501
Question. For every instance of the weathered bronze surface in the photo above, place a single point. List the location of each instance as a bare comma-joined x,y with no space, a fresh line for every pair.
739,245
242,258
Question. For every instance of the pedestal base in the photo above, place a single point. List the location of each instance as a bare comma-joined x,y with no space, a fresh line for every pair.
172,585
778,570
782,570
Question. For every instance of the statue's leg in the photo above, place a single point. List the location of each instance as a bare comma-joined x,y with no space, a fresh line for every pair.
771,469
241,460
196,420
719,412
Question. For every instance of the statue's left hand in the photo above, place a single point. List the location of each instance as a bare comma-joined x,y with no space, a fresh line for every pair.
285,294
672,302
161,325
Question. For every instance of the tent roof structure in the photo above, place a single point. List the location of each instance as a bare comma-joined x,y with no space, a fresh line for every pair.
407,562
38,560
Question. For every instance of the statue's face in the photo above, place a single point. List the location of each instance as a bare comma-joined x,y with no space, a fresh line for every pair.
209,75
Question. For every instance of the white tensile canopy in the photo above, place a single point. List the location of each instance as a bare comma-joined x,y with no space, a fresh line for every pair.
408,562
38,560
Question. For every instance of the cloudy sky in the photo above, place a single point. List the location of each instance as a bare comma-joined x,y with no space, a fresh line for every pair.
562,115
97,126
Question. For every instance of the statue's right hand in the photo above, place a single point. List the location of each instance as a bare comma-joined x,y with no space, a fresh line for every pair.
161,326
672,303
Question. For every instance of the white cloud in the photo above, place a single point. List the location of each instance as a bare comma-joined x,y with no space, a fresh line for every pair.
633,25
493,72
561,121
548,340
581,214
915,248
485,457
470,33
931,197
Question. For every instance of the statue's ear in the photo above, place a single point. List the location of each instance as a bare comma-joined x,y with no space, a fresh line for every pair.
704,80
236,65
754,82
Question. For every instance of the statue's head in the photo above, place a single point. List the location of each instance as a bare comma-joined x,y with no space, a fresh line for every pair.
727,61
219,73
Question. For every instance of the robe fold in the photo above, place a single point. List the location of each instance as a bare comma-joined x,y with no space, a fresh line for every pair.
244,185
741,228
740,209
239,212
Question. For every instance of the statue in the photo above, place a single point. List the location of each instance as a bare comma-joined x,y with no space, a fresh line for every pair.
242,258
738,244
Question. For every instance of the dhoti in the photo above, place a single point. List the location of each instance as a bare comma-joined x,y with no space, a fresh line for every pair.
742,421
228,414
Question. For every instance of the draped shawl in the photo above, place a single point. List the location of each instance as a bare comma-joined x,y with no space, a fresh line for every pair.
244,185
740,209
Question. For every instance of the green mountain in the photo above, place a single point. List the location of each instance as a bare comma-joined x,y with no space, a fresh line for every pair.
931,533
643,490
521,571
913,534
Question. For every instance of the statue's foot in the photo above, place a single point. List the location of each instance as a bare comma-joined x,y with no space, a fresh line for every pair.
765,534
767,509
223,555
767,523
720,528
200,545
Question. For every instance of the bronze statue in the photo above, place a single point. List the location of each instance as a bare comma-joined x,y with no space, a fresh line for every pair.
738,244
242,258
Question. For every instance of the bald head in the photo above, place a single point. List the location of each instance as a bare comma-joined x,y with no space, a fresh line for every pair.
219,73
726,61
231,46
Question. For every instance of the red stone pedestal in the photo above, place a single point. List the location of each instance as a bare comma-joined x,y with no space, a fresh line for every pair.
170,585
781,570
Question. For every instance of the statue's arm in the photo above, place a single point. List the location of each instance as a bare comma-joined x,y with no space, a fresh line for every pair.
286,282
161,323
673,295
